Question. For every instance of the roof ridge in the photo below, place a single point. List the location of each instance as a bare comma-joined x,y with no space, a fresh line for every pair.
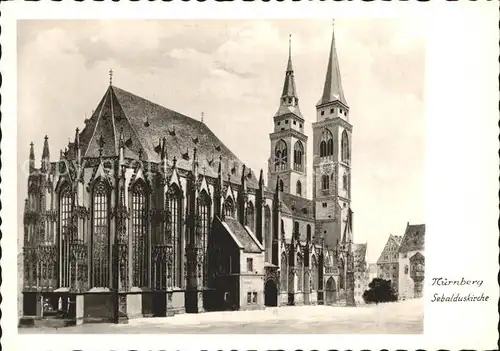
157,104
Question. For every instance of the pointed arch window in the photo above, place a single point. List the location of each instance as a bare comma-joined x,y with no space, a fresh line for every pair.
345,147
282,186
315,274
139,235
280,156
174,197
309,233
283,273
299,188
251,216
325,182
100,235
203,210
326,144
298,156
300,273
267,233
344,182
229,207
65,200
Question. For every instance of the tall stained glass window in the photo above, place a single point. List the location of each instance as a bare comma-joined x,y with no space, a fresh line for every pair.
100,235
174,206
251,216
139,235
64,227
204,230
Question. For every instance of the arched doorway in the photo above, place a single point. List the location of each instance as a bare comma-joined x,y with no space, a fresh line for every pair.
270,293
331,291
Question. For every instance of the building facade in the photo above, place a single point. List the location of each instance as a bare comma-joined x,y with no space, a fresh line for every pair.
147,213
388,262
361,277
412,262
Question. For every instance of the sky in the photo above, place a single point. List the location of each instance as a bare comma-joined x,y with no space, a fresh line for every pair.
233,72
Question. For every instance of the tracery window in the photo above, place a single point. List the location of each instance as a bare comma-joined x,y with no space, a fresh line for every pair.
64,228
280,156
300,273
139,235
345,147
326,144
284,273
267,233
325,182
229,207
100,235
204,203
299,188
298,156
251,216
174,235
315,274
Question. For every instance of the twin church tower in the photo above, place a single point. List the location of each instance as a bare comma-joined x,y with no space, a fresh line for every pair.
331,176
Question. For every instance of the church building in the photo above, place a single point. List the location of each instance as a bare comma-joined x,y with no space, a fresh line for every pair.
147,213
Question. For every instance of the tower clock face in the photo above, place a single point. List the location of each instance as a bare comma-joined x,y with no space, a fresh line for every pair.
326,168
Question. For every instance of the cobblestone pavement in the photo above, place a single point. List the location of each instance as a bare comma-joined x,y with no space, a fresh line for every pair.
405,317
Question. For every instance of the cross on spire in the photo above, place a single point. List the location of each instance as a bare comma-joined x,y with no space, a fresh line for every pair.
202,115
110,76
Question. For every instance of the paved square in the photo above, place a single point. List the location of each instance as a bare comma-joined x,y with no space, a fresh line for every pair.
405,317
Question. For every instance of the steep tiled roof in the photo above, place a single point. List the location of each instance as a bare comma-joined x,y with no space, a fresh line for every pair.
390,252
413,238
144,123
241,234
297,206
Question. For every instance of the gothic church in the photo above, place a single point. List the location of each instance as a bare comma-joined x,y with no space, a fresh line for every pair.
148,213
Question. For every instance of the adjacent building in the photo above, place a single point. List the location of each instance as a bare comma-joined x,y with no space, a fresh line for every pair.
388,262
412,262
361,277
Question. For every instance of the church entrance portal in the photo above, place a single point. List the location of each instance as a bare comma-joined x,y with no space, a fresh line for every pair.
270,293
331,291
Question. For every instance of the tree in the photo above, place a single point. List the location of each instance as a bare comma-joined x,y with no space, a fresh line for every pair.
380,290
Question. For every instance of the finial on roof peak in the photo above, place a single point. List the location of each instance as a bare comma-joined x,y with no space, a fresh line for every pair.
110,76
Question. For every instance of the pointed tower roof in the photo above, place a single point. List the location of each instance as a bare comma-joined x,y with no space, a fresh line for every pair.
332,90
289,101
45,152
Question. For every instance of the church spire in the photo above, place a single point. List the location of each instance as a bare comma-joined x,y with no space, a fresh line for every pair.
289,102
332,90
32,158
